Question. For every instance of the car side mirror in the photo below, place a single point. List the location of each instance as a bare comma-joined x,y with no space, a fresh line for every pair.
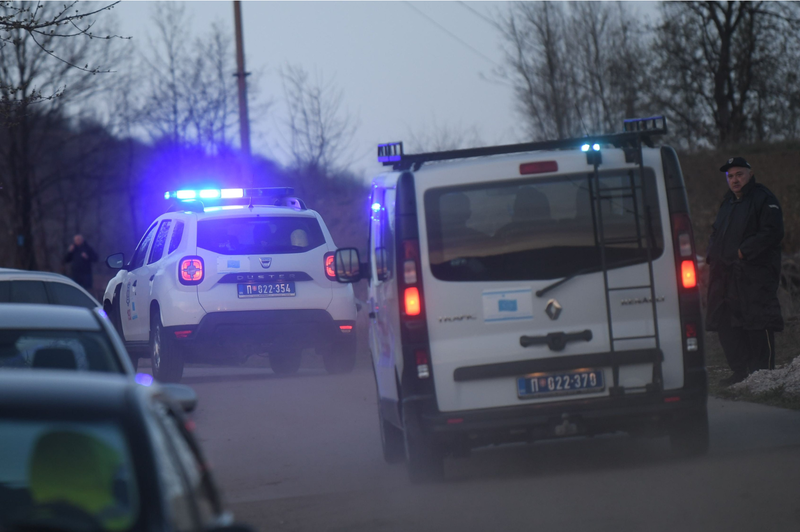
185,396
116,261
348,265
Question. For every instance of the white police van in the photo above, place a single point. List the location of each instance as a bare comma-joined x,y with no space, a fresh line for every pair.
229,273
531,291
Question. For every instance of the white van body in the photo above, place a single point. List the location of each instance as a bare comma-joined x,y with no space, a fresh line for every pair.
493,347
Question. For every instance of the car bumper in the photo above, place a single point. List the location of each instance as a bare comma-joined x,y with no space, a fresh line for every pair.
640,413
290,328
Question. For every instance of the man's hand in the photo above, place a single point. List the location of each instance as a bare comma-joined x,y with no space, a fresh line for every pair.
71,248
740,255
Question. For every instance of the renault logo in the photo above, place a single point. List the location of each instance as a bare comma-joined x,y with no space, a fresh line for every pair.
265,262
553,309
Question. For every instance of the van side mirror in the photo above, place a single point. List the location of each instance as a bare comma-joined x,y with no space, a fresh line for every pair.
348,265
116,261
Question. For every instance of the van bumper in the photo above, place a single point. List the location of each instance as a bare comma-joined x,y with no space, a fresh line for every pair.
649,413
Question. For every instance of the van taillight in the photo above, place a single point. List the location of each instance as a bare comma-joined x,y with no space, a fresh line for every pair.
688,274
330,272
423,367
412,302
191,270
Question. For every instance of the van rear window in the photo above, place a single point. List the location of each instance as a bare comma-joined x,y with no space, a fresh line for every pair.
539,229
257,235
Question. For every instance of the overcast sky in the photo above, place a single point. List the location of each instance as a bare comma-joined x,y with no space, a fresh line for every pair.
405,68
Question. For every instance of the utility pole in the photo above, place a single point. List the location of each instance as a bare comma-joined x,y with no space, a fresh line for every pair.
241,77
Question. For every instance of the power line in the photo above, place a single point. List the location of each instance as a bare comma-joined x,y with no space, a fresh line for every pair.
451,34
491,22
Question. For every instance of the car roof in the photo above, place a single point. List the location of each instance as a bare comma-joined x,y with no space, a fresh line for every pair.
10,274
55,392
47,317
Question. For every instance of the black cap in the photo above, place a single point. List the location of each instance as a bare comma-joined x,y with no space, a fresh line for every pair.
734,161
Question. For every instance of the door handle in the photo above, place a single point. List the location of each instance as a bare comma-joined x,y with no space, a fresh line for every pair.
152,276
134,284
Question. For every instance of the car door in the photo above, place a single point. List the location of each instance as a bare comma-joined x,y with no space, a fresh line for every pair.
134,290
384,332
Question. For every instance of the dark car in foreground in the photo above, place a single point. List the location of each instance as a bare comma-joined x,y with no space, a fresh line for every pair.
85,452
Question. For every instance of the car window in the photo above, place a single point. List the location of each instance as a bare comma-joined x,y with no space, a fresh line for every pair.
60,475
54,349
23,292
137,261
160,241
177,234
539,228
383,231
64,294
259,234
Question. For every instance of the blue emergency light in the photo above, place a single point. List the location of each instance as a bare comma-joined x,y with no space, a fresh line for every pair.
390,152
229,193
586,147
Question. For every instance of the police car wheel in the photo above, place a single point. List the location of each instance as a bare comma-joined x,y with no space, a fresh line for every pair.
285,361
688,435
339,358
165,359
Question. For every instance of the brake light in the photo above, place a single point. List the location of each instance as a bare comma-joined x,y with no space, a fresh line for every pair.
191,270
182,334
688,274
423,368
538,168
413,307
330,272
346,328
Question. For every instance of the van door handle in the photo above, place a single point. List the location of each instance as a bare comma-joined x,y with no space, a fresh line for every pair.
556,341
134,284
152,277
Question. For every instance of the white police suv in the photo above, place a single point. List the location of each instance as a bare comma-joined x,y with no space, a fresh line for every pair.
228,273
533,291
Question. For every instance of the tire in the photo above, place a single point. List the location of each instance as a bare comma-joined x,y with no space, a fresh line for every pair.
339,358
165,359
424,459
285,361
689,436
394,448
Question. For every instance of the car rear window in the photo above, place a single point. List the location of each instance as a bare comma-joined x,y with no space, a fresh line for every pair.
56,349
61,475
259,234
23,292
64,294
539,229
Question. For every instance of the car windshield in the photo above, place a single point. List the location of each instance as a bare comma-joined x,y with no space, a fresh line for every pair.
259,234
57,349
57,475
539,228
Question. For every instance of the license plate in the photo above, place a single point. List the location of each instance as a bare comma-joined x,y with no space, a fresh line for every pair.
267,289
560,383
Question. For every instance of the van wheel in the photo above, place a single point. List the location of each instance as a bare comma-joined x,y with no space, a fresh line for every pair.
688,435
339,358
285,361
392,443
424,459
165,358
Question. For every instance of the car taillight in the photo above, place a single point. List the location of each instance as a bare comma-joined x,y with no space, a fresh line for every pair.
691,336
346,328
191,270
412,303
688,274
182,334
330,272
412,299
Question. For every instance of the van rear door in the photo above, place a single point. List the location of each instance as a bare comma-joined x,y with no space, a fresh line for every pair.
492,242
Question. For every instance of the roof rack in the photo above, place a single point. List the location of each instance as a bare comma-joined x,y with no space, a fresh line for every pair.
636,131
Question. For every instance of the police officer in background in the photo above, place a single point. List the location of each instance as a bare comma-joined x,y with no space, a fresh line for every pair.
744,256
81,255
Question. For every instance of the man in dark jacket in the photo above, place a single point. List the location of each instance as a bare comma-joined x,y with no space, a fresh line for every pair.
81,255
744,256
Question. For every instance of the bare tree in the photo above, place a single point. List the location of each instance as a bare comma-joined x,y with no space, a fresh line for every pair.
29,69
320,131
439,137
718,63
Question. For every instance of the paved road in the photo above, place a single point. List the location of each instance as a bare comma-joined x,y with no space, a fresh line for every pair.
303,454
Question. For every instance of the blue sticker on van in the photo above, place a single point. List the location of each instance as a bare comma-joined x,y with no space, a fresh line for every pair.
507,305
233,264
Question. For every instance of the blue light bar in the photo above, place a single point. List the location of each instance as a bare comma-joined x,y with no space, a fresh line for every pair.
585,147
390,152
230,193
210,193
186,194
596,147
376,207
144,379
